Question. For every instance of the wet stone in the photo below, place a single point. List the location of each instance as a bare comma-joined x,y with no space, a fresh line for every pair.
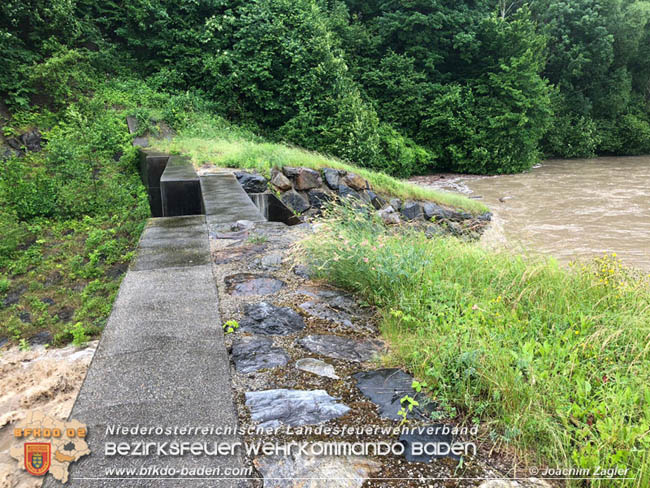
295,201
250,355
301,471
41,339
436,437
244,284
386,387
267,319
250,182
324,311
338,347
317,367
273,408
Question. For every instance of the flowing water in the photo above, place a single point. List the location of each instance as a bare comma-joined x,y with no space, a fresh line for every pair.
571,209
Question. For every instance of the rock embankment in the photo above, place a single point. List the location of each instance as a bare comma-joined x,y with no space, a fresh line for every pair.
305,191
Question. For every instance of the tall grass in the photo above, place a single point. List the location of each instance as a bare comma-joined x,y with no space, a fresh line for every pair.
547,358
210,140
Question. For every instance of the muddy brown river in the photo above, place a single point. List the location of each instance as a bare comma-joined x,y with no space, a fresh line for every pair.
570,209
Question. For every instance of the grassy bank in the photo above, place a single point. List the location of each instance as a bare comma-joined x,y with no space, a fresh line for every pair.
547,358
210,140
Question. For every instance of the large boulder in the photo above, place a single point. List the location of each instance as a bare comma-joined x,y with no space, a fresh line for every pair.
411,210
347,192
318,198
432,210
295,201
355,181
308,179
332,178
251,182
280,181
389,216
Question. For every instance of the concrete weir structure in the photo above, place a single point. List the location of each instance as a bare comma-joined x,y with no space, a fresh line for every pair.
161,361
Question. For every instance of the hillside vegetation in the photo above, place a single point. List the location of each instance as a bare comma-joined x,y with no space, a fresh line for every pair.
486,86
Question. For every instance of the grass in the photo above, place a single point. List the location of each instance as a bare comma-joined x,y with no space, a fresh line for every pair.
210,140
546,358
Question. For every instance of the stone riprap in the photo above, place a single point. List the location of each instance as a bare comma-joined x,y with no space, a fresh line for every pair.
264,318
253,354
251,284
305,191
317,367
273,408
386,388
339,347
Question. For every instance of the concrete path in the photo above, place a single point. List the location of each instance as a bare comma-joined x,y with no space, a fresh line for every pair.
225,200
161,360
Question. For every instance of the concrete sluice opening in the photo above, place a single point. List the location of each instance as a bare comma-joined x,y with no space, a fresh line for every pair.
273,209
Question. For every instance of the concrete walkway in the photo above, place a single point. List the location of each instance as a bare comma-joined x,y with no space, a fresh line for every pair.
225,200
161,360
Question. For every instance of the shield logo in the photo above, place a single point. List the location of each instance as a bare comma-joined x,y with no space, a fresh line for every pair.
37,457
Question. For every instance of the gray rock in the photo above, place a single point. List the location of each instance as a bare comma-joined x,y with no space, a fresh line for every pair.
244,284
32,140
272,408
267,319
338,347
280,181
376,200
437,438
250,182
347,192
272,260
486,217
432,210
386,387
302,271
389,216
41,339
291,171
25,317
13,296
332,178
295,201
396,203
307,179
251,355
3,341
300,471
242,225
411,210
355,181
324,311
318,198
317,367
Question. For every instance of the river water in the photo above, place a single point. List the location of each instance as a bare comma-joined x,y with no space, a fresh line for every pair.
570,209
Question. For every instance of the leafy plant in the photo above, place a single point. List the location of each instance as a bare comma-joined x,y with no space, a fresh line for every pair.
230,326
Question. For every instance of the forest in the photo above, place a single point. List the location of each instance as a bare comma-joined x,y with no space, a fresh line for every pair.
473,86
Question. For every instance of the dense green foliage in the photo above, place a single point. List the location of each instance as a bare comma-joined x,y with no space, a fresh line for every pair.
483,86
544,357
